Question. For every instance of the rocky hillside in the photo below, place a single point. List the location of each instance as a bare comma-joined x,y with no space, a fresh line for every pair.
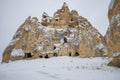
66,33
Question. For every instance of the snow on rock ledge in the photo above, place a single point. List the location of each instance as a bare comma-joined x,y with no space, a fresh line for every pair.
116,54
17,52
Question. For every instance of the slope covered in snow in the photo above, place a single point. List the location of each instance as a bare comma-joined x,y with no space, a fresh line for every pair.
60,68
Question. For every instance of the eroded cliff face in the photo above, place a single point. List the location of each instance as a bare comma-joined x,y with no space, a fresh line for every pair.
113,33
66,33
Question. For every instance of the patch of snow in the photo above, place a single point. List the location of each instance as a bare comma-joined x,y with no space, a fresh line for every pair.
19,33
43,19
101,47
76,43
72,35
115,18
56,15
27,27
66,45
47,36
62,10
65,29
57,49
59,30
40,27
71,22
46,29
17,52
116,54
62,41
38,48
57,18
14,41
33,20
57,45
47,52
72,30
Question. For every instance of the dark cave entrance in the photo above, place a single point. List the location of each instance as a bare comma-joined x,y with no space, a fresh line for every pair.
55,54
46,56
69,54
65,40
56,20
76,54
71,19
40,56
28,55
54,47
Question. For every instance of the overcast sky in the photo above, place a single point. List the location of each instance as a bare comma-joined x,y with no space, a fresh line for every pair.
14,12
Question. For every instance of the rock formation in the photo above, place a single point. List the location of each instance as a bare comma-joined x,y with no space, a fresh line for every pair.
113,33
66,33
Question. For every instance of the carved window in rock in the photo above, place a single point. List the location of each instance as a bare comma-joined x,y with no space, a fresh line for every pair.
28,55
71,19
65,40
70,54
56,19
54,47
40,56
55,54
76,54
46,56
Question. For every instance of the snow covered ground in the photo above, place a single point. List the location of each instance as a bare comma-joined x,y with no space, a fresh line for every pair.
60,68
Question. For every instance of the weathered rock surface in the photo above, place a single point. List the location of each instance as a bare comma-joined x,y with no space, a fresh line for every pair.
115,61
113,33
66,33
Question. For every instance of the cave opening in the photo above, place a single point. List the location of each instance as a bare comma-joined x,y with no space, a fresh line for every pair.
40,56
69,54
55,54
28,55
46,56
65,40
54,47
76,54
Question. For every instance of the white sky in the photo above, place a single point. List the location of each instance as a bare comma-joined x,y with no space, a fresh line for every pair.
14,12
